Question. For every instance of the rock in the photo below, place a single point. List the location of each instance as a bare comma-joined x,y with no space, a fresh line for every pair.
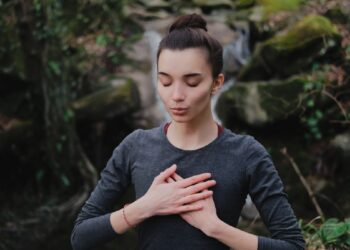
338,159
238,16
119,99
187,10
139,12
260,103
220,30
341,143
241,4
339,13
266,8
292,51
155,4
213,4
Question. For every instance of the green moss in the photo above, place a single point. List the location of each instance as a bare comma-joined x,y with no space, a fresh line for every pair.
273,6
244,3
208,3
108,102
309,28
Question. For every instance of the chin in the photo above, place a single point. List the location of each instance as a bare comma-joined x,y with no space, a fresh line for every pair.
180,119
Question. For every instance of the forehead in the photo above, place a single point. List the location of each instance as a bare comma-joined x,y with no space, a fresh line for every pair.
180,62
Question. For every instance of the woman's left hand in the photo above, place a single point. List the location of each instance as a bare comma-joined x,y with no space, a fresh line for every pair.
204,218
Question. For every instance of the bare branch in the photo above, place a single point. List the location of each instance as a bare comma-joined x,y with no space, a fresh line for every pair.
325,92
304,182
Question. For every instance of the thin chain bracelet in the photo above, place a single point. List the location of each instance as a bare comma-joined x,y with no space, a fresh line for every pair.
126,220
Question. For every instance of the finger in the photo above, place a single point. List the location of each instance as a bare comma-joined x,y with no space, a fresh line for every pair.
194,179
177,177
200,187
189,207
166,174
195,197
170,180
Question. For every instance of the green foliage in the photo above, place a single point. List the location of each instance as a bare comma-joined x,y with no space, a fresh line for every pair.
319,101
330,234
271,7
244,3
307,29
64,48
313,118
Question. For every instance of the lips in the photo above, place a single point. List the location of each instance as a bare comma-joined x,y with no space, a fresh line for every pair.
179,111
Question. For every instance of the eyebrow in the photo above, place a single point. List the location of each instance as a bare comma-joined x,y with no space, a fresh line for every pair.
185,76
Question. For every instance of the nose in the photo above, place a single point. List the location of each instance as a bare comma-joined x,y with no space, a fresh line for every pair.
178,93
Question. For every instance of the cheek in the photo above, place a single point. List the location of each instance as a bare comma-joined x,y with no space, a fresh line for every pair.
162,94
201,96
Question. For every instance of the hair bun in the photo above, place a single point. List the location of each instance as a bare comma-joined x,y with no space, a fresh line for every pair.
189,21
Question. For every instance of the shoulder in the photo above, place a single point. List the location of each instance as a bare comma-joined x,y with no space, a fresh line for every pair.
140,136
244,142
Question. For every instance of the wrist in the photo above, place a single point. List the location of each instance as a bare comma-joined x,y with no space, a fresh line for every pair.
142,207
212,226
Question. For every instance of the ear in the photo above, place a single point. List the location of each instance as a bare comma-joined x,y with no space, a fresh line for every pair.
217,83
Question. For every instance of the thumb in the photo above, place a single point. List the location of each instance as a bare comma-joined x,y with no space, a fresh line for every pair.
167,173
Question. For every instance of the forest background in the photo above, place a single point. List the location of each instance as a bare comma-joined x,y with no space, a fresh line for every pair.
77,76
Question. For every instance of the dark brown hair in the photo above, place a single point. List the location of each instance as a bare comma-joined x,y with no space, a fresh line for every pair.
190,31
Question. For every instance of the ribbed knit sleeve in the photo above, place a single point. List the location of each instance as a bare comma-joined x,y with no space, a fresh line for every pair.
267,193
92,226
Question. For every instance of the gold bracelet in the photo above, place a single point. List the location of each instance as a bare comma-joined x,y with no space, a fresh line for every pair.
126,220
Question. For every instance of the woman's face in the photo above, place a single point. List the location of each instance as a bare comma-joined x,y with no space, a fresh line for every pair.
185,83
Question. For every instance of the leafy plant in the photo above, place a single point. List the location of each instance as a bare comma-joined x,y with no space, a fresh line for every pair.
330,234
314,115
320,103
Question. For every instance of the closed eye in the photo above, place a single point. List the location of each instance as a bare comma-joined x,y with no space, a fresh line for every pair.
193,84
164,80
165,83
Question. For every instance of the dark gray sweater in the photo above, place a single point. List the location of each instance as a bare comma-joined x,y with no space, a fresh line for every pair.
239,164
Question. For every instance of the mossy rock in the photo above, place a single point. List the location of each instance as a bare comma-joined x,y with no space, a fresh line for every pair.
261,103
109,102
270,7
337,13
242,4
292,51
213,4
155,4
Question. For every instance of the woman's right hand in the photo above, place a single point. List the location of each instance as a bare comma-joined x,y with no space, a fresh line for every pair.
163,198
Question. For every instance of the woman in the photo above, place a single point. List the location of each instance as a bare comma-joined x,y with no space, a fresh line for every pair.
191,176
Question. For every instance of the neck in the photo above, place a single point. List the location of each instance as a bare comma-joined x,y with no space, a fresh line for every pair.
193,134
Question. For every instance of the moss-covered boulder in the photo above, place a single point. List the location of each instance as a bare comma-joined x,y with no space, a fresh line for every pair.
241,4
213,4
155,4
106,103
266,8
292,51
260,103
